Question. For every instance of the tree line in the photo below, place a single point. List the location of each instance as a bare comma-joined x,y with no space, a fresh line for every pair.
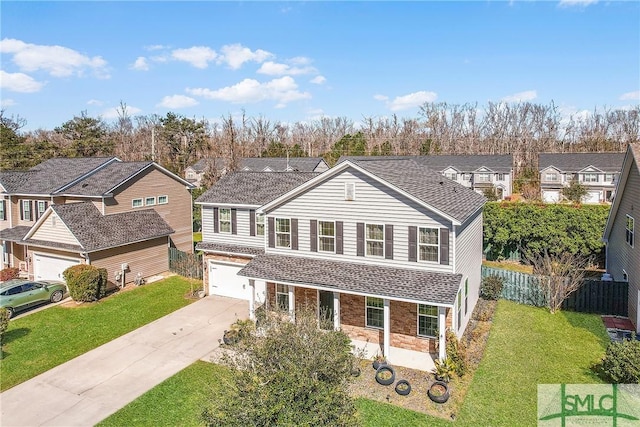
175,141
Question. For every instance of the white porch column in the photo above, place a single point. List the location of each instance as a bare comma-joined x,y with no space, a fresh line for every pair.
292,301
252,299
336,311
387,329
442,334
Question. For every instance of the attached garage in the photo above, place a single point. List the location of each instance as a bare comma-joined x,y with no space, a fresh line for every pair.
224,281
48,267
592,197
551,196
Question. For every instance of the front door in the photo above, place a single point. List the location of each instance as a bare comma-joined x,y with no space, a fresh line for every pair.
325,309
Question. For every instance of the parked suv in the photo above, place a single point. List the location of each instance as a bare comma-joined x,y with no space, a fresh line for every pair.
18,294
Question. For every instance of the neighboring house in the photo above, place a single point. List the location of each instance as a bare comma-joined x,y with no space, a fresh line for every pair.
98,211
478,172
390,249
196,172
620,237
598,172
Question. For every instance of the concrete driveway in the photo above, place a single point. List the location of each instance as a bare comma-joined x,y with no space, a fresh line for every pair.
89,388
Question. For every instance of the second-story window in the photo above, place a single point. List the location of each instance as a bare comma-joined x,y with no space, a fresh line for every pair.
150,201
500,176
451,175
163,200
259,224
136,203
326,236
609,178
428,244
590,177
483,177
3,210
225,221
283,233
374,237
26,210
42,206
551,177
629,232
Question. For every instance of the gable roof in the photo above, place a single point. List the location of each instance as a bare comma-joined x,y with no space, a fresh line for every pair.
631,162
574,162
95,231
466,163
253,188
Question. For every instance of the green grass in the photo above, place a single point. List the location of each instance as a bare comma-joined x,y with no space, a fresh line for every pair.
527,346
36,343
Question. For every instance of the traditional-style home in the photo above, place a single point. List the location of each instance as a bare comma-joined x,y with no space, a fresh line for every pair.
389,249
623,249
598,172
122,216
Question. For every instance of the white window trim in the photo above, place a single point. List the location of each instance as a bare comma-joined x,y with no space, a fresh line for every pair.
275,232
459,317
437,317
262,216
133,201
466,296
366,226
625,275
146,201
220,221
3,210
285,293
346,191
437,245
632,231
166,200
43,204
590,175
334,237
366,318
26,207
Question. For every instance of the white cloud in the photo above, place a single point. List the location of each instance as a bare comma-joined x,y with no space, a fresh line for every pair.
528,95
406,102
155,47
113,113
58,61
198,56
234,55
632,96
94,102
6,102
276,69
140,64
177,101
282,90
569,3
318,80
19,82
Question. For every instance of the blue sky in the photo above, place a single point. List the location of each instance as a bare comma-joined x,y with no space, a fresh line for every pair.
298,61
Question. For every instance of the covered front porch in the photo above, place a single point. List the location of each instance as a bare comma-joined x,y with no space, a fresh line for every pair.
400,313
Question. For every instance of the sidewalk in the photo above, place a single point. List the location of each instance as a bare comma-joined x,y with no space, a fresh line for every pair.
89,388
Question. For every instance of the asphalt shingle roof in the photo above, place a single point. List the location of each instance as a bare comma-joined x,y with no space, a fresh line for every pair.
429,186
14,234
465,163
279,164
405,283
229,249
95,231
99,183
574,162
253,188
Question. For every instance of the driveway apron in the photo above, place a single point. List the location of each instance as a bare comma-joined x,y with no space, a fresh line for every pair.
89,388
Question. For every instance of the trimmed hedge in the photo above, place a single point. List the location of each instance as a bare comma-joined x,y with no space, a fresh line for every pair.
86,283
621,363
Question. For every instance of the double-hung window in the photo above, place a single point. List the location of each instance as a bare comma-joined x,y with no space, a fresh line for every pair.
590,177
282,296
483,177
225,221
3,210
628,236
374,238
283,233
375,312
326,236
428,244
608,178
42,206
259,224
427,320
26,210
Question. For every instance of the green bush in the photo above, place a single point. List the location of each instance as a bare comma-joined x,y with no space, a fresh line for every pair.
456,352
86,283
4,321
8,274
621,363
491,287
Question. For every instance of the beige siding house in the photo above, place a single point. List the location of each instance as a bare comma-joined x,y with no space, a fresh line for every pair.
621,236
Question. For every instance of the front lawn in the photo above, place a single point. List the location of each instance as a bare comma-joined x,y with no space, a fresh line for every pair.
36,343
527,346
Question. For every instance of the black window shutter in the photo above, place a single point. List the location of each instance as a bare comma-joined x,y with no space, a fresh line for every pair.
339,238
294,234
272,233
252,222
444,246
360,239
21,211
31,214
234,221
313,233
388,241
413,243
215,220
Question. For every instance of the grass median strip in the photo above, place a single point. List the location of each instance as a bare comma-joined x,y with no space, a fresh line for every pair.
38,342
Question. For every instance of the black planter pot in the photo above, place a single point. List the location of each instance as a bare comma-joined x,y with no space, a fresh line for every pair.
439,398
376,364
403,388
385,381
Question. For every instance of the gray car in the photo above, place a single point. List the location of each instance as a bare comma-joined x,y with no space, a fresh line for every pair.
19,294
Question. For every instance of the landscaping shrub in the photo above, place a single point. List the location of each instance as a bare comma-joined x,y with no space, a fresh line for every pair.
456,352
491,288
4,321
86,283
621,363
8,274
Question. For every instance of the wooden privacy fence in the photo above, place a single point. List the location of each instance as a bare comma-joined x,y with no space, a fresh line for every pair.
594,296
185,264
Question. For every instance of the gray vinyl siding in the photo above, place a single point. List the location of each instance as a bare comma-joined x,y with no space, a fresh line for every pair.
620,255
373,204
242,238
469,260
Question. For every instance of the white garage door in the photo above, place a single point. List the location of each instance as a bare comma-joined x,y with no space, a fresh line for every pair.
224,281
47,267
551,196
592,197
